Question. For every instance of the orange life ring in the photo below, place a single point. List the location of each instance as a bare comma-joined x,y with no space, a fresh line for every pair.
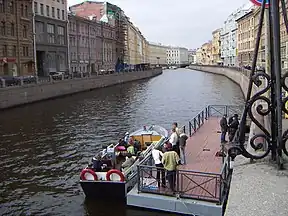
84,171
115,171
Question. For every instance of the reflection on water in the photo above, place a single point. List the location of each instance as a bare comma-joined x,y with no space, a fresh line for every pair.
44,146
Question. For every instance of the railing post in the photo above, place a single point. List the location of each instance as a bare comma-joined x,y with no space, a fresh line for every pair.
202,116
194,122
139,178
190,129
226,110
206,113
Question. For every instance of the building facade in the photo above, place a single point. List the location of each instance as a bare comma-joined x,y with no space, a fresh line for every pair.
199,59
192,57
137,47
16,38
229,37
245,39
157,54
216,47
206,51
261,60
283,41
111,14
177,56
92,45
51,36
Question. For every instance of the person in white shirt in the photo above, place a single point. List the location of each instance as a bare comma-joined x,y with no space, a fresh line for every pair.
157,157
174,140
177,130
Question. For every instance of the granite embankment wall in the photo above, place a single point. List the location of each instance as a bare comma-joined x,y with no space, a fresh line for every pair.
241,78
237,76
19,95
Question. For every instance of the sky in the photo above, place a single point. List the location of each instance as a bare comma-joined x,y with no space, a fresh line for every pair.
187,23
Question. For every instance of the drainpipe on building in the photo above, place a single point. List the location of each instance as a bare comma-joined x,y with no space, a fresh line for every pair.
89,50
34,41
18,42
68,45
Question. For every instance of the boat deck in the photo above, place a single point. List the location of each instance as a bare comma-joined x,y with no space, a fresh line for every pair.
198,180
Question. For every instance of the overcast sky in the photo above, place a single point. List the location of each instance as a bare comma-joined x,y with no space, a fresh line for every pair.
187,23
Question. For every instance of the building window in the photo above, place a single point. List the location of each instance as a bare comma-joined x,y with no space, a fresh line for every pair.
63,15
60,31
58,13
51,33
3,29
39,31
41,9
26,11
35,7
25,31
53,12
14,49
25,51
12,29
22,10
2,7
11,7
47,10
5,50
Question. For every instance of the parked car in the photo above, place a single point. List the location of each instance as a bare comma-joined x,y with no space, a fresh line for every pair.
26,79
58,75
9,80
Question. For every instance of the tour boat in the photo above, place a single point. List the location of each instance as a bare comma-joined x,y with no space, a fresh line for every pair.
111,182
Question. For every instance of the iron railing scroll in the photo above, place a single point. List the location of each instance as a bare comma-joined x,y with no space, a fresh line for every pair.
268,101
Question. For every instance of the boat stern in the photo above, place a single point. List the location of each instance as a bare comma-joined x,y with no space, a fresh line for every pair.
108,190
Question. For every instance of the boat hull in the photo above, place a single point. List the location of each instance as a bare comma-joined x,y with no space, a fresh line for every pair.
104,190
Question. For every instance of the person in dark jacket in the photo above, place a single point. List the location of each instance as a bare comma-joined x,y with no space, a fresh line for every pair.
233,126
224,128
182,144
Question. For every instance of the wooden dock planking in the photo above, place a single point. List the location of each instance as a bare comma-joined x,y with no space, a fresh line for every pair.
207,137
193,184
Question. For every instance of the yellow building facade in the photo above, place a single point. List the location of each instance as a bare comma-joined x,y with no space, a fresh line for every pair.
157,54
137,46
283,41
216,47
261,60
246,38
206,50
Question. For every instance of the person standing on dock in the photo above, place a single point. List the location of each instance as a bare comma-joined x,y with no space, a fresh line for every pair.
157,155
224,128
170,160
174,140
182,144
177,130
233,126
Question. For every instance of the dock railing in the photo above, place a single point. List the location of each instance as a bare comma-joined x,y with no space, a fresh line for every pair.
191,184
212,111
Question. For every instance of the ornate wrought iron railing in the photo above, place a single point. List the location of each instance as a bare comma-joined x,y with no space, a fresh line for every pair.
268,101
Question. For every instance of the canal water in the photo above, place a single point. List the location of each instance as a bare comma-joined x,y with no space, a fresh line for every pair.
44,146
